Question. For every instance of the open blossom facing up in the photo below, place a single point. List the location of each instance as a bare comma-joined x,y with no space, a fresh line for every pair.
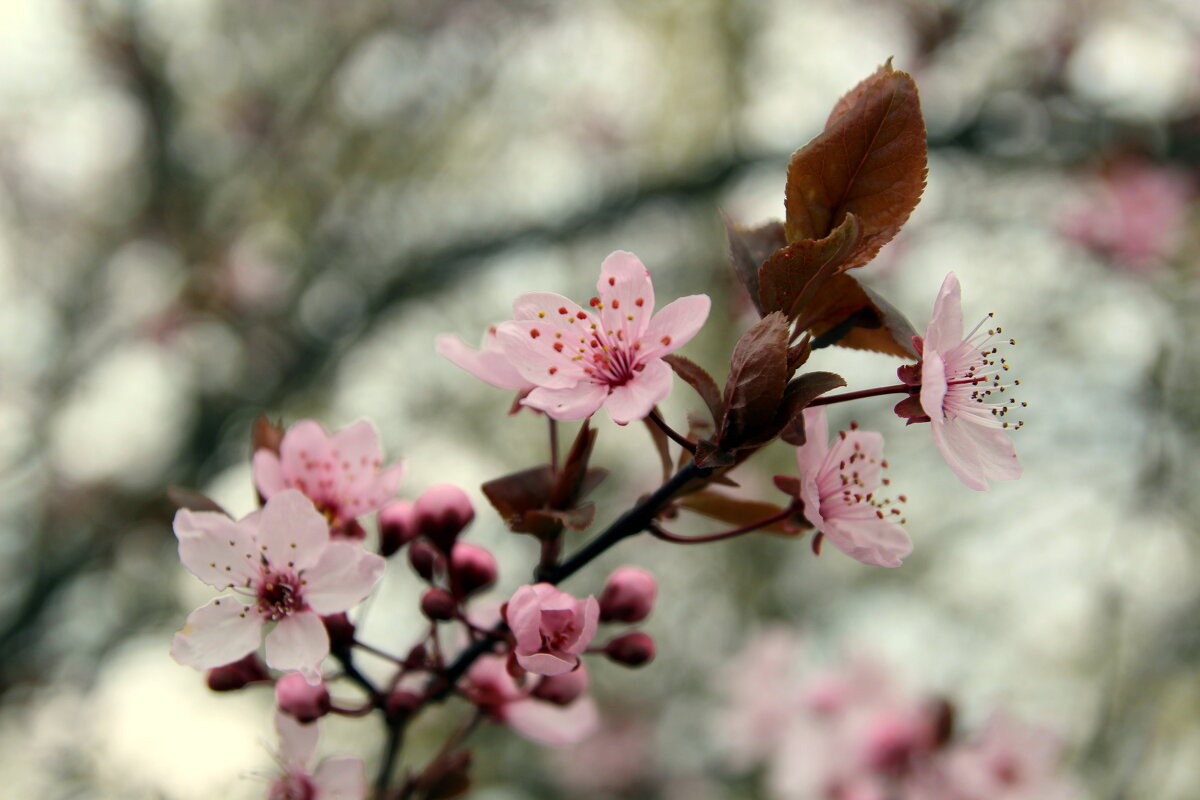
549,722
963,394
334,779
838,483
488,363
342,474
281,567
551,628
610,355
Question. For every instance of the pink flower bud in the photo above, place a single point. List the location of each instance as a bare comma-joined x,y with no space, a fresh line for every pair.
628,595
297,698
632,649
473,568
438,604
237,675
562,689
401,702
397,526
441,513
424,558
340,630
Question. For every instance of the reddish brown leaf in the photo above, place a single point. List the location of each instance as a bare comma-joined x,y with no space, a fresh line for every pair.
733,511
709,455
800,392
791,277
757,379
514,494
265,435
869,161
699,379
848,314
749,248
568,486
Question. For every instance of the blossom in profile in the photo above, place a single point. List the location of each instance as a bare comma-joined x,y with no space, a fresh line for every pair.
342,474
611,355
279,567
963,393
838,483
334,778
488,363
548,721
551,628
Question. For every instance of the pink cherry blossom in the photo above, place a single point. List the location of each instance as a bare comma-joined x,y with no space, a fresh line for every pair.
551,628
838,484
334,779
496,693
341,473
488,363
609,356
281,568
960,390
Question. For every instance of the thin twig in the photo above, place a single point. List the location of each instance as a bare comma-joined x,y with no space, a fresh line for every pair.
660,533
675,437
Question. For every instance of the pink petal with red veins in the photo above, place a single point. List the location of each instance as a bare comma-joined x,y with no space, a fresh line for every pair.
489,364
552,725
359,449
576,402
217,634
625,291
341,779
674,326
946,325
868,464
546,663
268,473
530,305
292,534
636,399
300,643
216,549
531,348
297,741
933,385
524,615
342,578
871,540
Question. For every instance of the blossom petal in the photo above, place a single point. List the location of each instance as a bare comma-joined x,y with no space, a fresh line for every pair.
976,451
291,532
552,725
268,473
626,293
297,741
217,634
870,540
489,364
546,663
546,353
591,619
342,578
300,643
576,402
637,397
544,305
810,456
934,384
216,549
945,329
675,325
524,616
341,778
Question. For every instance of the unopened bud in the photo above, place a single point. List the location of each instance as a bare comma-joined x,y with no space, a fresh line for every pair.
417,657
442,512
237,675
397,526
632,649
340,630
473,568
298,698
562,689
401,702
424,558
628,595
438,604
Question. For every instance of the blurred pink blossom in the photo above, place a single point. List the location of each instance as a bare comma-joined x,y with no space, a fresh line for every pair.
495,692
551,628
611,356
342,474
281,568
334,779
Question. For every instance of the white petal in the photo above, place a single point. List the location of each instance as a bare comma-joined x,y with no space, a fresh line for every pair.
217,634
343,576
341,779
291,532
300,643
216,549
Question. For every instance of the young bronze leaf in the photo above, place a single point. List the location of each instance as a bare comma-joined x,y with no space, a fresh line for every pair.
800,392
749,248
520,492
732,510
265,435
792,276
848,314
757,378
698,378
574,469
869,161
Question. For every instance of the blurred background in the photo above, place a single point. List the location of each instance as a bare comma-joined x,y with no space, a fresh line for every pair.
214,209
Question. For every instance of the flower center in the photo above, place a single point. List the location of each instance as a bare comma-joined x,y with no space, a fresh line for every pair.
279,593
852,490
976,379
293,787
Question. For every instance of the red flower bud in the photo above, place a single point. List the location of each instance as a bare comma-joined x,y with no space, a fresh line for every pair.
401,702
296,697
237,675
632,649
473,568
438,604
562,689
441,513
628,595
397,526
424,558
